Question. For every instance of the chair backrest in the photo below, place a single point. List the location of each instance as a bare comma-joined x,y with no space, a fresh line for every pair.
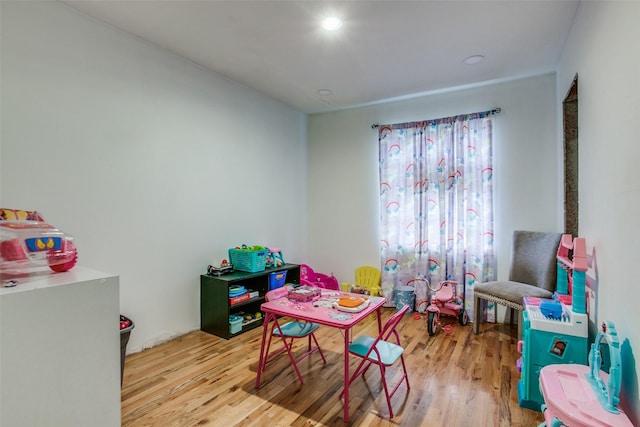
368,276
533,258
277,293
391,324
388,330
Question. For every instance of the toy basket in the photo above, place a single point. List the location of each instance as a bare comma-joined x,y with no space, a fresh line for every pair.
277,279
246,259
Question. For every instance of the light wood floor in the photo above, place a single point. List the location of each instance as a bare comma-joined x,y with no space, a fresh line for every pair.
457,379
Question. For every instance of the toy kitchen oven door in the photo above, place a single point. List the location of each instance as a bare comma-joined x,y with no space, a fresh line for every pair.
555,331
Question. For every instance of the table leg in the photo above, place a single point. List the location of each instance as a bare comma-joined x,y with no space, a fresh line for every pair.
346,375
263,358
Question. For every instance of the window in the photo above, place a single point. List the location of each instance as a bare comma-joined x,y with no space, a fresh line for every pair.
436,202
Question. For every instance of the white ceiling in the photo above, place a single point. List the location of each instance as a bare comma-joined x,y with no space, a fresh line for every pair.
384,50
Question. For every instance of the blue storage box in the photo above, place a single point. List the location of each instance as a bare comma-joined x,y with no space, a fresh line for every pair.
235,324
277,279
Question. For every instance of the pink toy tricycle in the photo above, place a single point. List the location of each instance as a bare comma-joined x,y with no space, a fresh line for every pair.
444,299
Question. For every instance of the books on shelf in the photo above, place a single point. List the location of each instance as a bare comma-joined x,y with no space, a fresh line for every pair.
240,298
237,299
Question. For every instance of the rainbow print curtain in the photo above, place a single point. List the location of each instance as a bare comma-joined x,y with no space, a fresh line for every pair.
436,203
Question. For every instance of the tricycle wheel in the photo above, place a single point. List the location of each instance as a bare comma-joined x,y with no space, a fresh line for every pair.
432,323
463,317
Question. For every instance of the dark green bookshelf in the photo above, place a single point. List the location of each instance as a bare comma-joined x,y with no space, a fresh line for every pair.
214,298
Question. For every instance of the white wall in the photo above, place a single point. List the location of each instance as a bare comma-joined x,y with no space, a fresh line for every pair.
343,168
604,50
156,165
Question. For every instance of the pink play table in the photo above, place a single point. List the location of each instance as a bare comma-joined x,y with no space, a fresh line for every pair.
322,313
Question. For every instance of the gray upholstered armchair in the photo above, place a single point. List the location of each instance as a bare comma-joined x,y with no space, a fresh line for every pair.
532,274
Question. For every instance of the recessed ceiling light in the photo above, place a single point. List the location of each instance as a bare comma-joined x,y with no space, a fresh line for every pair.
324,92
331,23
473,59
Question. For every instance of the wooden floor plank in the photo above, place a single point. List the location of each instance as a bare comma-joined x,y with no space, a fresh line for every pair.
457,379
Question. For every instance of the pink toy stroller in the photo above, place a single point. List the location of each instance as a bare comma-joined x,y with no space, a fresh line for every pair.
311,278
444,299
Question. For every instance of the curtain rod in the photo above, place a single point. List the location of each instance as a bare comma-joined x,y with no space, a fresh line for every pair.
490,112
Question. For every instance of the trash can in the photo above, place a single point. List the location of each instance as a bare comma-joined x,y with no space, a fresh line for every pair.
405,295
126,325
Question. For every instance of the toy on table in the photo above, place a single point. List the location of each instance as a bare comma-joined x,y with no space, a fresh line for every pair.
29,243
304,293
444,299
351,304
585,396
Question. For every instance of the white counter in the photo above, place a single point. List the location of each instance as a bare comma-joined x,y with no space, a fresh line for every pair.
60,349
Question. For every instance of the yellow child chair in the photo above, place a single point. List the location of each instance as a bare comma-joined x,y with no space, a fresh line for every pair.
367,277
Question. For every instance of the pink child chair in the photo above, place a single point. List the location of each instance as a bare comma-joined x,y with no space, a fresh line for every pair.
290,331
311,278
